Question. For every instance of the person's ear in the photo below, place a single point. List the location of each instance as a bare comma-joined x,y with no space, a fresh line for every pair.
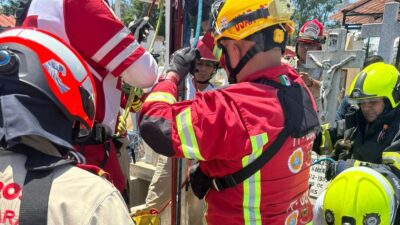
234,55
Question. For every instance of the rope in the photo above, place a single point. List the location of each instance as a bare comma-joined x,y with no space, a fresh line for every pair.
319,161
160,6
198,25
137,105
138,91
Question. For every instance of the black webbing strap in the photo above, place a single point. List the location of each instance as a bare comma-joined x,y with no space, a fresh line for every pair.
36,190
35,197
232,180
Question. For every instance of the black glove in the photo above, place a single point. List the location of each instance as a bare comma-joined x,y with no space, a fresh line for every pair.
183,61
140,29
155,56
126,88
337,167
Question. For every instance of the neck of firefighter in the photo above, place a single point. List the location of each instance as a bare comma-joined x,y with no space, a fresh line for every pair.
262,60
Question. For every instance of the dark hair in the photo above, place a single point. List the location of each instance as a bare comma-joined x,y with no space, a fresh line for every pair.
372,59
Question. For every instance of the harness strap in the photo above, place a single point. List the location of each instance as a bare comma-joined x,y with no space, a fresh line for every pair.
37,185
35,200
232,180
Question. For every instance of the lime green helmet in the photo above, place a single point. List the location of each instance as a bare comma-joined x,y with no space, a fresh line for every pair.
378,80
359,196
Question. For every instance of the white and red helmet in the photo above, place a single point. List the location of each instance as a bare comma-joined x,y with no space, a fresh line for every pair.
44,62
206,47
312,32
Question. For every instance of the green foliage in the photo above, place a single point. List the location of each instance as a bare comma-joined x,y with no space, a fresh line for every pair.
306,10
133,9
8,7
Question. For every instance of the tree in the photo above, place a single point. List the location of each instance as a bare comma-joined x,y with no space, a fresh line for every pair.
306,10
133,9
8,7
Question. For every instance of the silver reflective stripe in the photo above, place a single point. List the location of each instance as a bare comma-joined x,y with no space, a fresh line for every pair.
122,56
107,47
189,144
252,193
252,182
70,59
95,74
252,185
190,147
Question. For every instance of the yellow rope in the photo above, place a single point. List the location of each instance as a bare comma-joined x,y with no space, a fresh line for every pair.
160,6
136,104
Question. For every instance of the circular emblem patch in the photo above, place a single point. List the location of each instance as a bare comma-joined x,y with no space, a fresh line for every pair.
292,218
295,161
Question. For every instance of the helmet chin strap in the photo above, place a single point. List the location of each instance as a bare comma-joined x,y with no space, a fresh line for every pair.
263,42
233,72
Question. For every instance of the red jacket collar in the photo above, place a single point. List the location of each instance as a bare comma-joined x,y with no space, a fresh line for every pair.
273,73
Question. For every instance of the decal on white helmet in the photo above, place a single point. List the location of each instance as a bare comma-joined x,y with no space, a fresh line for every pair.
56,69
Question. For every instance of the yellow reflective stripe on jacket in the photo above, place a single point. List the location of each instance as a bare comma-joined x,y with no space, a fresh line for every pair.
391,158
326,141
217,52
190,148
161,97
252,185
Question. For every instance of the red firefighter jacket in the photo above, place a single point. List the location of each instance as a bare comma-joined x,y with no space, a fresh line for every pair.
225,130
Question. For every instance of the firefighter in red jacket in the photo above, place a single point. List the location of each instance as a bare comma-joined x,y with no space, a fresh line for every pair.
268,112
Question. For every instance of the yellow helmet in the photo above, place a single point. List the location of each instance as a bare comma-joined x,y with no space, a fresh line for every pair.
359,196
239,19
378,80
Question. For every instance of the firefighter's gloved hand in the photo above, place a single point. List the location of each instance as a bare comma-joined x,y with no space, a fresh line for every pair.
332,170
140,28
156,56
342,150
337,167
126,88
183,61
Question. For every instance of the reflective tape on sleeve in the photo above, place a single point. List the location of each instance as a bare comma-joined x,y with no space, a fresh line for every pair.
161,97
189,145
